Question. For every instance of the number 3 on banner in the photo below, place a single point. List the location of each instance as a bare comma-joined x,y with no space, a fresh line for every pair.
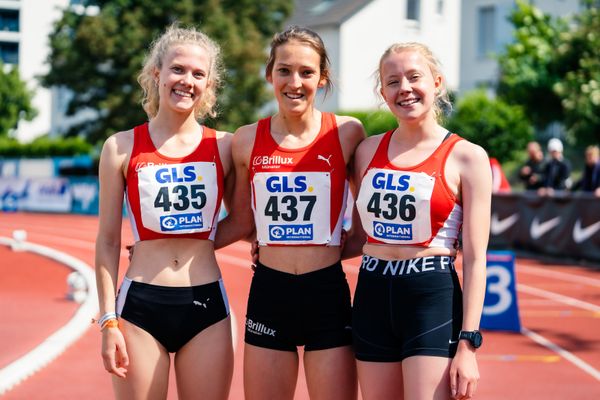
500,288
500,310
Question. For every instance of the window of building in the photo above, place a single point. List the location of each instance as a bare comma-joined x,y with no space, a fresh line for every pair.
9,20
486,29
412,9
9,52
439,7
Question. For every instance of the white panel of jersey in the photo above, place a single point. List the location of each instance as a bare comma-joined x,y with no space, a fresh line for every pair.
174,198
292,207
395,206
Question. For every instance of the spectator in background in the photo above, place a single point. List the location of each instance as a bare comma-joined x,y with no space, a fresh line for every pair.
590,180
531,172
499,182
557,170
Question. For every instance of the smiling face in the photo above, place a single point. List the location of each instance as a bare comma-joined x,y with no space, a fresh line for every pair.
408,85
183,78
296,76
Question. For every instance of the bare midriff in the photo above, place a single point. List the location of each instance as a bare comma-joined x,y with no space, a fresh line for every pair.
395,252
174,262
299,259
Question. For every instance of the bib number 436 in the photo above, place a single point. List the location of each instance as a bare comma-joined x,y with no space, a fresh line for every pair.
395,206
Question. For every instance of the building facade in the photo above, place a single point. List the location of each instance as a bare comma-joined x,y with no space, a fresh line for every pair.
25,26
485,30
357,32
464,35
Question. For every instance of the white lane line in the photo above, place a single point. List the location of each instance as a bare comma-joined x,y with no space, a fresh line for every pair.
578,362
60,340
559,298
565,276
68,241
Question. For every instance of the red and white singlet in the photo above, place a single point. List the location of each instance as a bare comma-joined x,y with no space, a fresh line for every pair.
298,195
409,205
174,197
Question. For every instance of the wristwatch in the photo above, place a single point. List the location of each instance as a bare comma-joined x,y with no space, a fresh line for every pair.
474,337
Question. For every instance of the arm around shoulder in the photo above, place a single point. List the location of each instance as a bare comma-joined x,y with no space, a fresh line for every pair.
239,222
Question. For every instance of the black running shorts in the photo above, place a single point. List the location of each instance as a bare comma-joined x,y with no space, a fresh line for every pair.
287,310
172,315
404,308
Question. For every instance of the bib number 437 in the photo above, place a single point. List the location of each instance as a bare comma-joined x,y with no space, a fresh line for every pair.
288,209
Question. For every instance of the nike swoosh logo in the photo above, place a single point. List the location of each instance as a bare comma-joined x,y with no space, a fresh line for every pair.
540,229
582,234
500,225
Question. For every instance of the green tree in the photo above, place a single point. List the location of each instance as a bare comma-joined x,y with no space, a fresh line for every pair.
552,69
374,122
579,90
498,127
97,56
15,100
527,68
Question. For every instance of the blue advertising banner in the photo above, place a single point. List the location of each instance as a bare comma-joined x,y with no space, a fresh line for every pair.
500,308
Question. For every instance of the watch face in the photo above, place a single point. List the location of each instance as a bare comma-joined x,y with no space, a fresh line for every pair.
474,337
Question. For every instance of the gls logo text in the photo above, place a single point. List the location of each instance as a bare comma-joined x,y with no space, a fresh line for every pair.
174,174
381,180
283,184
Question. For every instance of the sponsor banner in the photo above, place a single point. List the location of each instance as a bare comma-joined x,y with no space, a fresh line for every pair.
84,192
77,195
500,308
12,191
565,226
47,194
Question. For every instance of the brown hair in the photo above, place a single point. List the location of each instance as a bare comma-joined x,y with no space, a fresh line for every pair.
309,38
442,102
174,36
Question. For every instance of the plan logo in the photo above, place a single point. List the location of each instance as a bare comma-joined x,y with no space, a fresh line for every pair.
171,223
296,232
385,230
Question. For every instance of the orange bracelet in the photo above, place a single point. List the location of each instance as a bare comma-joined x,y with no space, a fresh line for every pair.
111,323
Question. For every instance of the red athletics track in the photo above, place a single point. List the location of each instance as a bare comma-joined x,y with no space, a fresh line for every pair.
558,357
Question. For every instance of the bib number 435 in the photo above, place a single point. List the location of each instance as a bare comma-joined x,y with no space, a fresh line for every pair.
185,197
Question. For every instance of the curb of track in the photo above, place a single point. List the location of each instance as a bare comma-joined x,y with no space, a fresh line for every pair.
59,341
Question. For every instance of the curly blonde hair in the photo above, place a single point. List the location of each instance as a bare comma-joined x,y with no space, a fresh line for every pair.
173,36
442,104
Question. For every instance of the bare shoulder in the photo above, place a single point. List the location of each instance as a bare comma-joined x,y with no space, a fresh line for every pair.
244,135
368,146
470,154
224,139
225,136
243,141
365,152
350,128
119,144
